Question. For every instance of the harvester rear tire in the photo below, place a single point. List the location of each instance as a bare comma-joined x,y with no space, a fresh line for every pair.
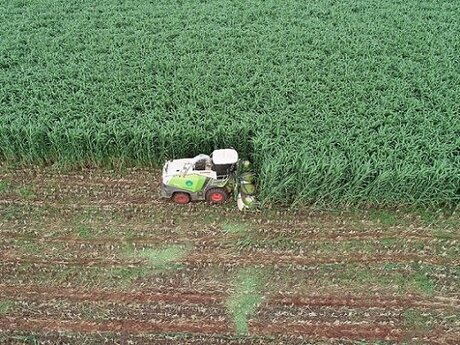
181,198
216,196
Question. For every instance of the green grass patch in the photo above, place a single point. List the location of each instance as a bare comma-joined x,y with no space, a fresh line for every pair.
86,216
29,246
429,216
423,282
30,339
245,299
5,306
5,187
92,223
124,276
388,242
84,232
11,212
416,319
385,217
163,258
444,234
417,279
392,277
26,192
234,228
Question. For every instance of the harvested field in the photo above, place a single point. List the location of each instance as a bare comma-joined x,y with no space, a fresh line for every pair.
98,254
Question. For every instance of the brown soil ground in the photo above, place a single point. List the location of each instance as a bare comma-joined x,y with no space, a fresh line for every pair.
74,266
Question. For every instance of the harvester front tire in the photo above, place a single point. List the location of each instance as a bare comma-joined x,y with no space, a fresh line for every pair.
216,196
181,198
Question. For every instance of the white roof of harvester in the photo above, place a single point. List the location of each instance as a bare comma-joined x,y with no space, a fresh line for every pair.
224,156
174,167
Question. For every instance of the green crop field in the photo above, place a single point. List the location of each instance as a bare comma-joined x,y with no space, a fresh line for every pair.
336,102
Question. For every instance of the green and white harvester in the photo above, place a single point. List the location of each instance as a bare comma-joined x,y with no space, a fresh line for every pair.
214,178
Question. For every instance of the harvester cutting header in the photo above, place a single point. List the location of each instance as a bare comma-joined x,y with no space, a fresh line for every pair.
213,178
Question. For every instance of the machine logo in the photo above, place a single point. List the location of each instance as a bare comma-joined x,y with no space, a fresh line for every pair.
189,183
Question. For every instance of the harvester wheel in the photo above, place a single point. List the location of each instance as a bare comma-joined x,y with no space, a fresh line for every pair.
216,196
181,198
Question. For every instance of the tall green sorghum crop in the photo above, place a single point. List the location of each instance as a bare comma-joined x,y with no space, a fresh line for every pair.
336,102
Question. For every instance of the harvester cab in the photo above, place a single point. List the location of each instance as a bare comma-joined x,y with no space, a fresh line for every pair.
213,178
